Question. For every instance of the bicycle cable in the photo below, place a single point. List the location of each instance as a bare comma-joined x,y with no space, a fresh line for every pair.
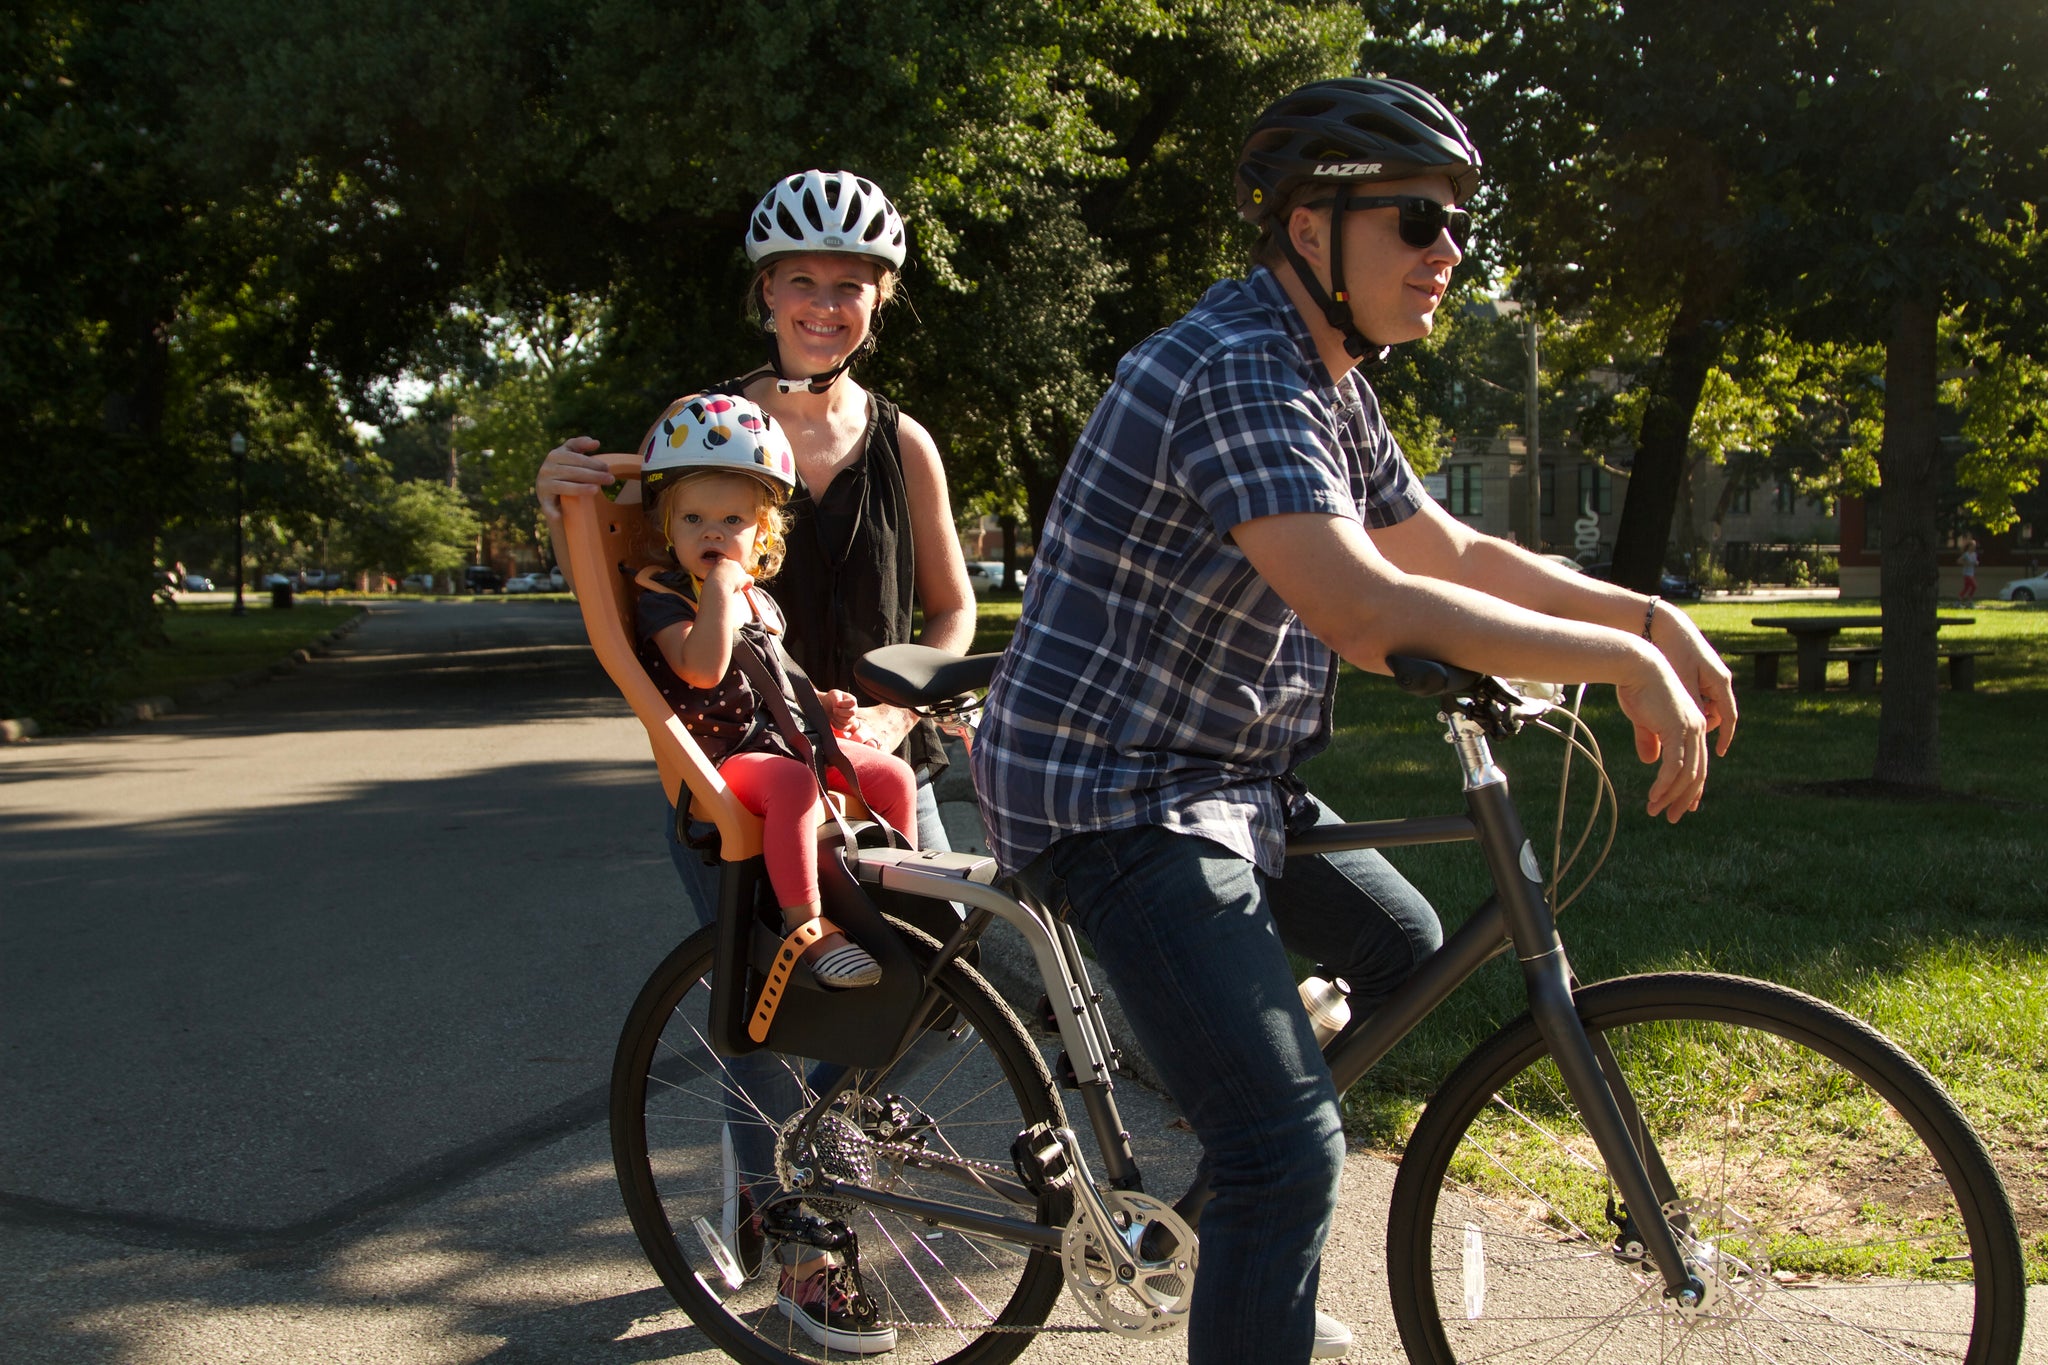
1561,864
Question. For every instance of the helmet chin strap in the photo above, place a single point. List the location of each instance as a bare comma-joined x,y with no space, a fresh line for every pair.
1337,309
816,383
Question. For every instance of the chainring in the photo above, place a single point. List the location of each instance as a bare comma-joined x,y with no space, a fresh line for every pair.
1157,1297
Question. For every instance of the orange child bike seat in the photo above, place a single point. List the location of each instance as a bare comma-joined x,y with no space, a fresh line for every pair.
607,543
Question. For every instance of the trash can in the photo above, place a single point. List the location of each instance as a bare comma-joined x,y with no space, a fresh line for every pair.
280,594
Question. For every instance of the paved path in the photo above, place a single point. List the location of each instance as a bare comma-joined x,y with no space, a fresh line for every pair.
306,1006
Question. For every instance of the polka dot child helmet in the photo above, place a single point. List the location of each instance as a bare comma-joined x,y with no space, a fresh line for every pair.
826,211
715,431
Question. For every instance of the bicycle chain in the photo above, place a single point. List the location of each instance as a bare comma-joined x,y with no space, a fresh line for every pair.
906,1152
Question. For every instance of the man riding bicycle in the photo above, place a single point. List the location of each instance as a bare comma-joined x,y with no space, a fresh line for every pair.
1235,518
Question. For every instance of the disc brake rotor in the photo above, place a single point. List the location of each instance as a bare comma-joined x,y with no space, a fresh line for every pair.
1157,1296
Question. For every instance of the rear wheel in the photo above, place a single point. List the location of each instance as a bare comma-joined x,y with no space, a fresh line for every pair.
2022,594
1827,1191
698,1142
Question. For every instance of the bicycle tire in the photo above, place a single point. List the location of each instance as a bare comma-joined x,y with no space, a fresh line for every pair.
988,1083
1868,1183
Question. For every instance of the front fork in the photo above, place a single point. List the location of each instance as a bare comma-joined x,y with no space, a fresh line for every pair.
1590,1070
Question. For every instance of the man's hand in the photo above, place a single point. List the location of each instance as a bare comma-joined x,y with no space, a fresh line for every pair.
569,468
1671,731
1700,670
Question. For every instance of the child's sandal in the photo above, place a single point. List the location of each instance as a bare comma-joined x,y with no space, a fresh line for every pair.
846,967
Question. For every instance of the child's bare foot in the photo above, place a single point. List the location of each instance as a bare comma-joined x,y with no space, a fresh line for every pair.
836,961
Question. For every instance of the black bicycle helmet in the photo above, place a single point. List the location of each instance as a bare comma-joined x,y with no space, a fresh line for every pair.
1345,132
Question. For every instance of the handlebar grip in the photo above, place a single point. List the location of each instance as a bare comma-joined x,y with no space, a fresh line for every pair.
1420,677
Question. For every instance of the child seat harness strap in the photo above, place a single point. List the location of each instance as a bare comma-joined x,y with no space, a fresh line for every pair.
776,679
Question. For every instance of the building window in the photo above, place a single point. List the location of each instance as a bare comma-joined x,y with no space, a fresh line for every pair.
1738,502
1463,490
1596,490
1785,498
1547,481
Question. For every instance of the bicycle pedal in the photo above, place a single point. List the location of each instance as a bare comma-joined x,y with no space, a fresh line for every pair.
1042,1164
1063,1072
1042,1016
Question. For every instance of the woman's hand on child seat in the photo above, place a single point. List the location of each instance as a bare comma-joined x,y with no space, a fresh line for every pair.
569,468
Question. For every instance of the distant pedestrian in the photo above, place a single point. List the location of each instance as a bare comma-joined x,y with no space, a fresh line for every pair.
1969,561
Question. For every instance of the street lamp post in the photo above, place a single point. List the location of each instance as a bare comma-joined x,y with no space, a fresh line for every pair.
238,448
1533,333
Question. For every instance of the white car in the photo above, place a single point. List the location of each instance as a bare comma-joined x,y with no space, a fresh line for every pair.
529,582
198,582
2033,589
988,573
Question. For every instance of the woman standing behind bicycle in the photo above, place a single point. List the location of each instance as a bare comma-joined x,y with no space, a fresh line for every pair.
871,528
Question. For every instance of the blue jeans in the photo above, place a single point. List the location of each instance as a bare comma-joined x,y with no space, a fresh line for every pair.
1191,936
765,1091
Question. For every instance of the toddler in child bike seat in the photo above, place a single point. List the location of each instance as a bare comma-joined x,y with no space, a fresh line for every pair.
715,471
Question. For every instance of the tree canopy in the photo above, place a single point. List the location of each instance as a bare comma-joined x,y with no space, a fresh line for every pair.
406,248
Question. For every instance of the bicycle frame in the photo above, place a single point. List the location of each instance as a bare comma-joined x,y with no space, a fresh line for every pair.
1516,916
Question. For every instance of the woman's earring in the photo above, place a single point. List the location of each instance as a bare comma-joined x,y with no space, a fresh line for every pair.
768,324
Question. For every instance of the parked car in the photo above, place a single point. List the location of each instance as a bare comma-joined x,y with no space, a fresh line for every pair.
482,578
198,582
557,582
321,580
528,582
1668,585
417,582
277,580
988,573
2026,589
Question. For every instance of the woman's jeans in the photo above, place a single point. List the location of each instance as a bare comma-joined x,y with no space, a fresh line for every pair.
765,1092
1191,936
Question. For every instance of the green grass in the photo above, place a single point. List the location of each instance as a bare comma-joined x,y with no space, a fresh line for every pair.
206,640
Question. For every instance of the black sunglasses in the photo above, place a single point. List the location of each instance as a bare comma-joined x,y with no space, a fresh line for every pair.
1423,219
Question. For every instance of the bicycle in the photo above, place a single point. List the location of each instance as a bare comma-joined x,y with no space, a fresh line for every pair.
1517,1226
1589,1183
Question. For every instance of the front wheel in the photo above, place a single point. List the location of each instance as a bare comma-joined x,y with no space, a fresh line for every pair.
1825,1189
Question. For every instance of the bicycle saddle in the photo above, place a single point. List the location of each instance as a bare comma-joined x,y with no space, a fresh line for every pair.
918,675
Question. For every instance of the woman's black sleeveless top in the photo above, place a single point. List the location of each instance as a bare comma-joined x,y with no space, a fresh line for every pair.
857,546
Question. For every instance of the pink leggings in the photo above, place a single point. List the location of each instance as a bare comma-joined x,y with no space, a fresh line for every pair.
782,792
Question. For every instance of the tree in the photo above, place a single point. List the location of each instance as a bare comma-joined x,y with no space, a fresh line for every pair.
1921,153
1622,177
412,525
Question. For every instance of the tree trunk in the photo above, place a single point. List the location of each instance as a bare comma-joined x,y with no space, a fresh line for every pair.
1007,524
1691,345
1909,475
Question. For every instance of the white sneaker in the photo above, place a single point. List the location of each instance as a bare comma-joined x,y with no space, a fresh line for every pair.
1333,1338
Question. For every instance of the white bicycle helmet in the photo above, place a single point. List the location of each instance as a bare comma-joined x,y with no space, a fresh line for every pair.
826,211
715,431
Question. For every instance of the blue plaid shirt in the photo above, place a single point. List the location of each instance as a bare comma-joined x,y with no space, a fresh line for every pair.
1155,679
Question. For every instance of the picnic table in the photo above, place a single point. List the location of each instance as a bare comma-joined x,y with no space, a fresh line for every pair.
1813,639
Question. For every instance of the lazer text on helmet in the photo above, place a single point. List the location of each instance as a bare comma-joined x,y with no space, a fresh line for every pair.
1348,168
